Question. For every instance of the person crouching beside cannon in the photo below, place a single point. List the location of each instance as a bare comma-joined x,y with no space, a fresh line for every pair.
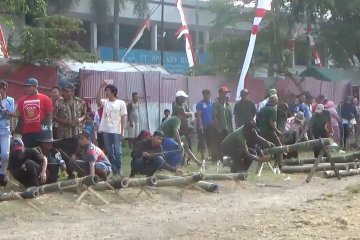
55,161
26,165
88,159
148,156
240,146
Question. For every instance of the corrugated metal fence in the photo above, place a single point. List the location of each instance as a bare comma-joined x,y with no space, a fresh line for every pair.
157,91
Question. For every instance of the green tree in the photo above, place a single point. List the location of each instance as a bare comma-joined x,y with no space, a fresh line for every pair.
49,41
101,10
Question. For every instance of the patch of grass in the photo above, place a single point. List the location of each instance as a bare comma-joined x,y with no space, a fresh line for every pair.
354,188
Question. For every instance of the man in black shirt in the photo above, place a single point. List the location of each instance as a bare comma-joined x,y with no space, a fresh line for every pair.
26,165
148,156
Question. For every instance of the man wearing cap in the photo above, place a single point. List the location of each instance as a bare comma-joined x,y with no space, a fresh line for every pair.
240,144
244,110
222,120
70,113
268,125
26,165
205,121
263,103
35,110
89,159
148,156
186,128
320,125
55,161
6,104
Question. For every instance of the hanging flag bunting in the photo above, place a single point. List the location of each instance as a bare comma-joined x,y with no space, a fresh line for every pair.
261,8
184,31
314,51
145,25
3,48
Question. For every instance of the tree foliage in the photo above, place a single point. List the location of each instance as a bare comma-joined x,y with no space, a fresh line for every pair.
336,24
50,41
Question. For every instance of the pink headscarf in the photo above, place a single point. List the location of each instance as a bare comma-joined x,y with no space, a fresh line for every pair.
330,104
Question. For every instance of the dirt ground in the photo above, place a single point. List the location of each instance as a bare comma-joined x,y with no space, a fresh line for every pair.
280,207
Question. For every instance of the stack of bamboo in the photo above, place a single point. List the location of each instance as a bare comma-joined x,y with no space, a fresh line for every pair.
347,165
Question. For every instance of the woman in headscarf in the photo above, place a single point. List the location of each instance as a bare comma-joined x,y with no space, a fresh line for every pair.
334,121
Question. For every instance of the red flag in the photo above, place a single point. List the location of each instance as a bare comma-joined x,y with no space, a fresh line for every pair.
146,24
3,47
184,30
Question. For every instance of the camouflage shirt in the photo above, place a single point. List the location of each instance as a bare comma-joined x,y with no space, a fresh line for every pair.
70,110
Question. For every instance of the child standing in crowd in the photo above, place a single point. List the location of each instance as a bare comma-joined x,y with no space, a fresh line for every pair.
166,115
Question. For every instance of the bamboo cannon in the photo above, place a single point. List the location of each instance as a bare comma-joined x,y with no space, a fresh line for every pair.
213,177
112,184
59,186
343,173
354,157
303,146
226,176
140,182
15,196
180,181
321,167
208,186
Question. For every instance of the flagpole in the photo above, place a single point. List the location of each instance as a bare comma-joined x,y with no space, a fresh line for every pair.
162,34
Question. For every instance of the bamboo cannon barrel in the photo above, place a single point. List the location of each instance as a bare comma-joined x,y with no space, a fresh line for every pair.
112,184
321,167
213,177
208,186
180,181
165,177
140,182
25,195
68,184
343,173
354,157
302,146
226,176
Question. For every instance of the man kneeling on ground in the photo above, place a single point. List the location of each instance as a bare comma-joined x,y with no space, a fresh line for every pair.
92,159
26,165
237,146
148,156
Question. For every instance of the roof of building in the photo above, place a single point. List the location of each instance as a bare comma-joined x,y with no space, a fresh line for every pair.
110,66
332,74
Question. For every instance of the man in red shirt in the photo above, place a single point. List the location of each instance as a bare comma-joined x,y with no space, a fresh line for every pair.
35,110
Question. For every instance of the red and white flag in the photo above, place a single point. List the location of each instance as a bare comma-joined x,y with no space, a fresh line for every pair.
184,31
260,12
314,51
145,25
3,49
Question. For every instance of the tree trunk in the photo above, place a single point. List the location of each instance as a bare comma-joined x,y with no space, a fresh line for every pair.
116,30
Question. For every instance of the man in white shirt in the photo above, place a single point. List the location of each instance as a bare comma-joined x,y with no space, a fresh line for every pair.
263,103
112,124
